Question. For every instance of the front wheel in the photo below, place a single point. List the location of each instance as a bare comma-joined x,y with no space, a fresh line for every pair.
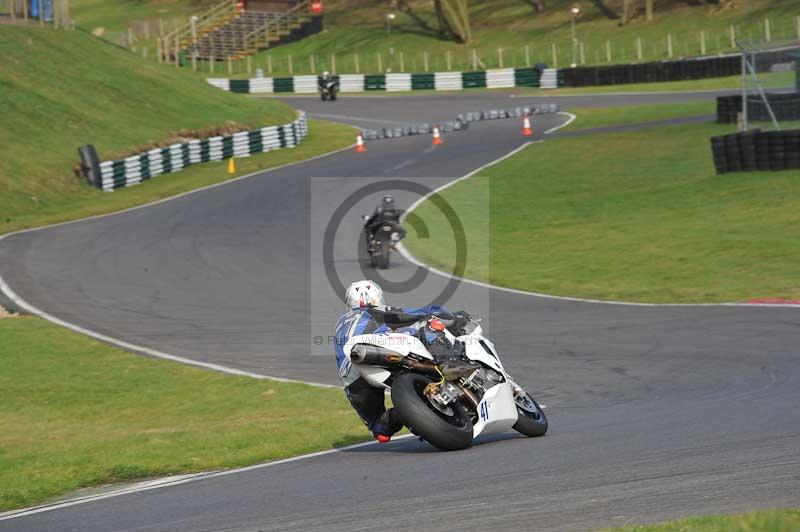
448,429
531,420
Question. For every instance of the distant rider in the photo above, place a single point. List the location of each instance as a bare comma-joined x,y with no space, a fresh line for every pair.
367,313
385,212
325,79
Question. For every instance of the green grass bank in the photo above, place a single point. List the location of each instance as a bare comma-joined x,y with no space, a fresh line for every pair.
763,521
635,216
65,89
80,413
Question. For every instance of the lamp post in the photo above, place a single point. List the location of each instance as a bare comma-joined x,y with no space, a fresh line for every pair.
389,18
575,12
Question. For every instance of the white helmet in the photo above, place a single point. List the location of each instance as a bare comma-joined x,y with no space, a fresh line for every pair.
363,294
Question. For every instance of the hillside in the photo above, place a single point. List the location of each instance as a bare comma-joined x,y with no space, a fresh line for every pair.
359,26
61,90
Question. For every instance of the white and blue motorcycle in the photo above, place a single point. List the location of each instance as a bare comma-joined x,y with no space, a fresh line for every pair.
450,390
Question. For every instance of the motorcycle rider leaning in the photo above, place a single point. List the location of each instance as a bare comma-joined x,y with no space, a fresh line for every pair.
385,212
367,313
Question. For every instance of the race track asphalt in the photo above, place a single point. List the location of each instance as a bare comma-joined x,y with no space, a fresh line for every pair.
656,412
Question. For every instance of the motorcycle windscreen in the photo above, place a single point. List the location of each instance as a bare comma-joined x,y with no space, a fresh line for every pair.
497,411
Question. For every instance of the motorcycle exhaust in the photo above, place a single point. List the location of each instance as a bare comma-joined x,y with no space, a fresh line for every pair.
374,355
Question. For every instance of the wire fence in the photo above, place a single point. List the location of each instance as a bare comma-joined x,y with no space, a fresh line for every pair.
589,51
770,86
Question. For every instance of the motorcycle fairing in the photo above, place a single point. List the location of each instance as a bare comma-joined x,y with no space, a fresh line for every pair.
497,411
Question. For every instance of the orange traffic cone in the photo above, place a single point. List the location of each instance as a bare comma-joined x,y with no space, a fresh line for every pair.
526,127
360,148
437,137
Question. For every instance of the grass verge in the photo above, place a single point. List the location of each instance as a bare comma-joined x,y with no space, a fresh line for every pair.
764,521
83,200
80,413
593,117
636,216
64,89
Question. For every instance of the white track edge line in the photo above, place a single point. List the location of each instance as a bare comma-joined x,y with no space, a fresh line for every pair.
181,479
19,301
571,118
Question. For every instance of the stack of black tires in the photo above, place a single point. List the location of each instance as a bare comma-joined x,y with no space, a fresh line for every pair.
785,107
757,150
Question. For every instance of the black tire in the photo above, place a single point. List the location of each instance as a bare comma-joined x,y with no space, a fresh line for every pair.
380,256
531,424
448,433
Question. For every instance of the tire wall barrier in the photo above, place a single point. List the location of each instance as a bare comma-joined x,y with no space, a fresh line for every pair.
539,76
678,70
461,122
785,106
756,150
137,168
440,81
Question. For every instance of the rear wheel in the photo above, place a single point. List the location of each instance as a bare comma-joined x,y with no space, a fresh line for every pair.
448,429
531,420
380,255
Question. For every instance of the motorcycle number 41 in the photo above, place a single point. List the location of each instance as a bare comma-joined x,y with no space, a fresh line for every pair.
484,411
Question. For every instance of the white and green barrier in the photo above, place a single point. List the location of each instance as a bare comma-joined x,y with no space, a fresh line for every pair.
137,168
391,82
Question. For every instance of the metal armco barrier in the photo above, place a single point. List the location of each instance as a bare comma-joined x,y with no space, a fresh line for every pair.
756,150
137,168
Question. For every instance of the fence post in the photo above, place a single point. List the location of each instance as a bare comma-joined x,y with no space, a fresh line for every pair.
177,52
402,63
160,27
425,60
357,63
230,66
527,56
733,36
269,64
767,30
797,22
555,56
290,64
639,49
25,10
380,61
474,59
609,57
449,61
311,64
703,42
159,51
41,13
333,63
500,57
249,64
669,45
211,68
194,60
583,53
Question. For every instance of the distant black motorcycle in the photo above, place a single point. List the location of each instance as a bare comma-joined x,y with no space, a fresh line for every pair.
328,90
381,243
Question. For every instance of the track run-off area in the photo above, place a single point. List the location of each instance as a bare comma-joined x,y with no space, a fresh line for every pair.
656,412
